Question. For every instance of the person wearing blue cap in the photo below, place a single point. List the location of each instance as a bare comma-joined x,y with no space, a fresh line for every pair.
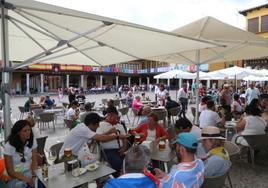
190,171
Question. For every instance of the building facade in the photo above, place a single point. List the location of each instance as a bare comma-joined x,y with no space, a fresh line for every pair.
257,23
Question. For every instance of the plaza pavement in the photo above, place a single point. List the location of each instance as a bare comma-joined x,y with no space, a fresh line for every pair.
243,174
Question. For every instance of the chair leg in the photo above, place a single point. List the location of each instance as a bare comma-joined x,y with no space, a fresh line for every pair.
229,180
251,151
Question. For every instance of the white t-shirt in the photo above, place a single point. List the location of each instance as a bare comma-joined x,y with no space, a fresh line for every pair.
162,94
252,94
196,131
202,107
77,138
156,89
151,135
209,118
105,127
182,94
237,106
18,165
254,125
70,113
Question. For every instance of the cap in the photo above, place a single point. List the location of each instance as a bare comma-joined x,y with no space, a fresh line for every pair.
211,132
188,140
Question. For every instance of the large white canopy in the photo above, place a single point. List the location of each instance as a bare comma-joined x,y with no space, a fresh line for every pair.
240,44
175,74
255,78
40,32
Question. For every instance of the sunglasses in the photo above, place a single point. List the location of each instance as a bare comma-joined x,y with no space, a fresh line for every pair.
23,160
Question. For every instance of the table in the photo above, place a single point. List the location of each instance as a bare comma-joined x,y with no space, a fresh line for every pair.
163,156
56,111
158,108
58,178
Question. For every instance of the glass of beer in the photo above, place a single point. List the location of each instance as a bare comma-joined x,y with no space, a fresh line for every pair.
162,145
67,152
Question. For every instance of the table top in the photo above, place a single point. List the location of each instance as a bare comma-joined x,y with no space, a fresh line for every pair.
158,108
164,156
54,110
57,177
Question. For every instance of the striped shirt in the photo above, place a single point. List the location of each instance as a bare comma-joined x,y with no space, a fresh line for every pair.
185,175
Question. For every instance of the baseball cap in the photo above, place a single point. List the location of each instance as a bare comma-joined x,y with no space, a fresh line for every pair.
188,140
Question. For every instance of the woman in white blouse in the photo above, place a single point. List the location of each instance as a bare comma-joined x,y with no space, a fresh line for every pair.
161,95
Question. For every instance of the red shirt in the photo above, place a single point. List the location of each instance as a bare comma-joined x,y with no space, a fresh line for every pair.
143,128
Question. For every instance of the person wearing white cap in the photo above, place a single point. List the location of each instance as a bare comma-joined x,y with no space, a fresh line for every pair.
217,162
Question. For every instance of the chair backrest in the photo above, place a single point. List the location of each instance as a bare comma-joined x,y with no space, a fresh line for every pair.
56,148
174,111
47,117
22,109
116,102
257,141
68,123
124,101
214,182
161,114
3,184
92,104
65,105
171,132
41,141
135,112
123,111
231,148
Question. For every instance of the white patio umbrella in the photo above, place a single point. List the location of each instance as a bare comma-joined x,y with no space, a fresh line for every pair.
175,74
240,44
255,78
37,32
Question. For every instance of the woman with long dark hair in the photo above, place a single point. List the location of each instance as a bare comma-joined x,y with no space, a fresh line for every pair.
20,155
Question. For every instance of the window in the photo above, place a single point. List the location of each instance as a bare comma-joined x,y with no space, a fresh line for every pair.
264,23
253,25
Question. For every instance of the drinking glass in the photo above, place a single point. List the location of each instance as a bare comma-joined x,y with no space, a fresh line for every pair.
52,156
75,170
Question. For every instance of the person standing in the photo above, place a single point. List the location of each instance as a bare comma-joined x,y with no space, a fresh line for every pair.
161,95
183,98
71,95
252,93
156,89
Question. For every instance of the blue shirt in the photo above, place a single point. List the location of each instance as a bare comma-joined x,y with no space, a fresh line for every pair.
186,175
216,166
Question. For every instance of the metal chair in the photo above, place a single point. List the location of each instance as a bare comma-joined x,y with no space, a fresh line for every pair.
46,118
117,102
162,115
36,113
232,150
255,142
124,112
57,147
174,112
23,111
92,104
214,182
123,102
34,107
41,142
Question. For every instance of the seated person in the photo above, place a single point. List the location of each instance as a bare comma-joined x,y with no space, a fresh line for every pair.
190,171
217,162
135,173
72,114
225,109
136,104
129,99
185,125
203,104
42,102
49,102
170,104
143,97
81,98
83,115
146,110
251,124
209,117
150,130
110,104
20,156
113,149
28,103
82,134
237,107
264,115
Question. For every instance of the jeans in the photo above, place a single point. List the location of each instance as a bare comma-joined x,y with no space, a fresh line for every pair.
183,109
114,159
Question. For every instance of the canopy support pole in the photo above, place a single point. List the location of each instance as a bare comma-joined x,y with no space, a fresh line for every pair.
197,87
6,70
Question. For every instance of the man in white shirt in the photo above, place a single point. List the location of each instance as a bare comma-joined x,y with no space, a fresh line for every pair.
183,97
71,113
209,117
79,136
156,89
252,93
113,149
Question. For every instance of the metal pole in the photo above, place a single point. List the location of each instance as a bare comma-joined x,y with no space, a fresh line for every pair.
197,86
6,71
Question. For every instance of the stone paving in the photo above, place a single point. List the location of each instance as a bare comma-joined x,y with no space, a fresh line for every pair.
243,174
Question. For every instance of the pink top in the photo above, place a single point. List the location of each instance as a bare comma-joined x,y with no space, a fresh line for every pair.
136,104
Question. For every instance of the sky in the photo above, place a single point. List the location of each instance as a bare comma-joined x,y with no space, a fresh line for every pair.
164,14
